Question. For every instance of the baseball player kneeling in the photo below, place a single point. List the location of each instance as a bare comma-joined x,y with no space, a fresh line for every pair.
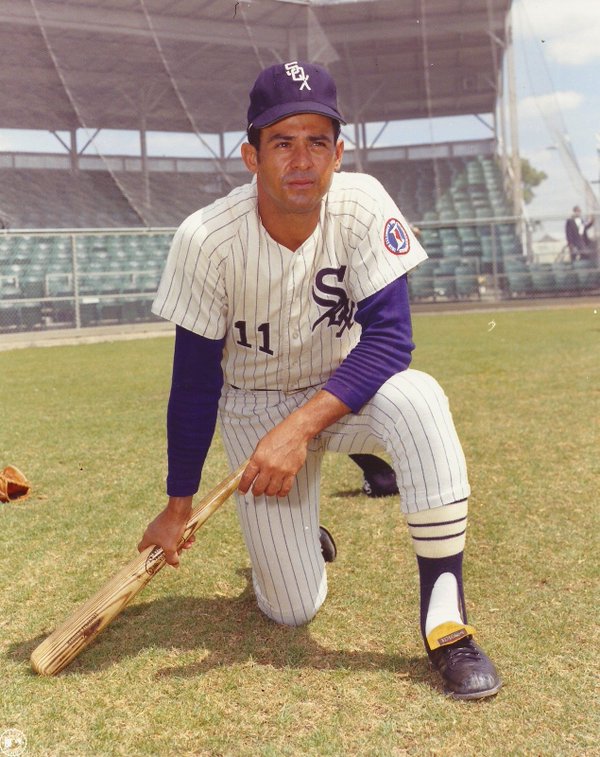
290,301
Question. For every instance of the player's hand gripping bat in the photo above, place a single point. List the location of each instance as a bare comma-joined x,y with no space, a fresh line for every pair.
79,630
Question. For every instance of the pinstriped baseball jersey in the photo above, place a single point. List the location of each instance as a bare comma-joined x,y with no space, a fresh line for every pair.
288,316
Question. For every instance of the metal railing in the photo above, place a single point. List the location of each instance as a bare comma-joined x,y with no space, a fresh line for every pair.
54,279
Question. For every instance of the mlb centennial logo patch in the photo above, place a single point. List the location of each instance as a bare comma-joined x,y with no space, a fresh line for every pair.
395,237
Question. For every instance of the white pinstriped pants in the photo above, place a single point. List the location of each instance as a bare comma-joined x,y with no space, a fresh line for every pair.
408,418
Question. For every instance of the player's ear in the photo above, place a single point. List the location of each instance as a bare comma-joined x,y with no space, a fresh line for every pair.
250,157
339,151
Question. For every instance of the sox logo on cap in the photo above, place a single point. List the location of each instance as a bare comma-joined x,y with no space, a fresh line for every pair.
297,73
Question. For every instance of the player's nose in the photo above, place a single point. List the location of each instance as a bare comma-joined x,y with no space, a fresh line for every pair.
301,157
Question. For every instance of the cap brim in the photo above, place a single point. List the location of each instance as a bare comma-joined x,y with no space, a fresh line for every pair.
272,115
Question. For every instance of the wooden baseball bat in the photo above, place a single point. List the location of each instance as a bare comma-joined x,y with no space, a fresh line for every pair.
82,627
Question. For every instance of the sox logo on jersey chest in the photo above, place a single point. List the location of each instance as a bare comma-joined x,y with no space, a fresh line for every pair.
340,308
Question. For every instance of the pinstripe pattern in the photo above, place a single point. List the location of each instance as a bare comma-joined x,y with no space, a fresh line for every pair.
408,417
224,269
281,534
287,319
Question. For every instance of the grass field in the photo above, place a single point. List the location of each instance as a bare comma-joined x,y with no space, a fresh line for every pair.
192,668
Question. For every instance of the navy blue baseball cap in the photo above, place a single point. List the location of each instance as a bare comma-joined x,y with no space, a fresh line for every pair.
289,88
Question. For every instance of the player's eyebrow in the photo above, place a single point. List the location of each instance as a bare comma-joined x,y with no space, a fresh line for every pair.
280,136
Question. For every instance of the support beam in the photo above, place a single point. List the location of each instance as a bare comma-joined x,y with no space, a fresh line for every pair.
73,151
514,124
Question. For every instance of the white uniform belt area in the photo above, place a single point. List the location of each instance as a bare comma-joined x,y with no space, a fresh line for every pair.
284,392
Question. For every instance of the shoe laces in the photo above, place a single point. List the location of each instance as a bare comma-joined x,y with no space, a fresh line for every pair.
462,651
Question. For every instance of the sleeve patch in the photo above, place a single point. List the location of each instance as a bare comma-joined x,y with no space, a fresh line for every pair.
395,237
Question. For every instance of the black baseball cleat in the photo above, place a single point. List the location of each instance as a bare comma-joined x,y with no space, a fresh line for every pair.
379,479
328,548
466,670
380,484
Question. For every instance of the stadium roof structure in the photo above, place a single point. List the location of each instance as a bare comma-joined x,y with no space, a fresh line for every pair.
187,65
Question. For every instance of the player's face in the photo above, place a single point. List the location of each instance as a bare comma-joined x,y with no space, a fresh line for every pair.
295,164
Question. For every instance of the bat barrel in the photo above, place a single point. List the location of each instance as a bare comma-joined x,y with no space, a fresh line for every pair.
81,628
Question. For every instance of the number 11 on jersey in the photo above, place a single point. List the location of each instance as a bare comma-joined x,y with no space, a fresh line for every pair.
265,331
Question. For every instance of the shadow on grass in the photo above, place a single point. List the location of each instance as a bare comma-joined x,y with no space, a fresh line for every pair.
353,493
232,630
348,493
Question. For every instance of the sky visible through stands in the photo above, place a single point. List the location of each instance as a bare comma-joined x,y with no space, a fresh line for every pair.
557,59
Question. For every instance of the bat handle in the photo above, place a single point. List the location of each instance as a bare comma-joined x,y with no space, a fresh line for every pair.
208,506
155,556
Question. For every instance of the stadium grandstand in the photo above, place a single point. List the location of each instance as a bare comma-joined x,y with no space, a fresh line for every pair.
86,227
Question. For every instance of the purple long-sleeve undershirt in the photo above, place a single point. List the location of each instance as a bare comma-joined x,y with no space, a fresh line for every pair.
385,346
384,349
192,410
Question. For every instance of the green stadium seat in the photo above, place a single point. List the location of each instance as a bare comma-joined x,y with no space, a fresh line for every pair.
10,316
144,312
472,249
32,286
588,275
447,266
421,287
59,284
467,282
567,280
543,278
128,283
10,288
515,264
452,249
420,280
519,282
448,235
147,281
444,285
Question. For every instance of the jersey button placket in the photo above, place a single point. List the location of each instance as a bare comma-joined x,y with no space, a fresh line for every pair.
287,294
296,293
292,298
300,316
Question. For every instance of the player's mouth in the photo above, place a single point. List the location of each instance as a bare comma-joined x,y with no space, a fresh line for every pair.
300,182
